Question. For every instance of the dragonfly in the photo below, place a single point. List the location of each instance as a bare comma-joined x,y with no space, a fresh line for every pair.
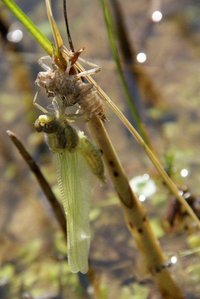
64,85
78,161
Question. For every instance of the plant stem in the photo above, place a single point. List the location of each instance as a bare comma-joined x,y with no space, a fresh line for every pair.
56,208
113,45
135,216
115,54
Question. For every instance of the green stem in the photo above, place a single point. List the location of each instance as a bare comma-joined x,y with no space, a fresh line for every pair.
113,45
28,24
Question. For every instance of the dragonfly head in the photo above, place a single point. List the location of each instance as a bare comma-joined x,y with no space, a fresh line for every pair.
46,123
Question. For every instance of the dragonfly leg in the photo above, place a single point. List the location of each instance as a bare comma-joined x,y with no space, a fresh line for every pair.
44,65
38,105
89,63
58,107
74,116
87,73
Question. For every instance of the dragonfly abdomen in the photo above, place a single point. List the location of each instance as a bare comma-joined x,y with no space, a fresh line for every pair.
90,101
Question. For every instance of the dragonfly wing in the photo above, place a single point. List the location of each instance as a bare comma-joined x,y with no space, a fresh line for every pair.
75,188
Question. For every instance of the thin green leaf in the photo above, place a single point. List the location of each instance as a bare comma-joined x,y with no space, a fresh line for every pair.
113,44
29,25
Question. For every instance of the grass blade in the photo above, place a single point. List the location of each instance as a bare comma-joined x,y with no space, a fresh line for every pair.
29,25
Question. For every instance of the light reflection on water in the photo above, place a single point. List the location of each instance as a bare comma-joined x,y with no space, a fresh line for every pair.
15,35
141,57
144,186
157,16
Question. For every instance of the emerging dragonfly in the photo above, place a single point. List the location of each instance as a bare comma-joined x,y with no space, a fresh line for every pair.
76,157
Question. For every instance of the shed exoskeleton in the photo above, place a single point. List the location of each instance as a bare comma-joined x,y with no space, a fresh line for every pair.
66,84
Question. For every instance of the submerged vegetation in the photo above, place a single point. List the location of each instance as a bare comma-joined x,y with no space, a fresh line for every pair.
40,268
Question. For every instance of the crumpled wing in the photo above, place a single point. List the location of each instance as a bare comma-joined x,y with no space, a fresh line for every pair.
75,186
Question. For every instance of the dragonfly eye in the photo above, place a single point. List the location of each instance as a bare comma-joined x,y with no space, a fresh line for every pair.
37,126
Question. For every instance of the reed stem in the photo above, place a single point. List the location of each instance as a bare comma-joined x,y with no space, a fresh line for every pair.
35,169
112,37
135,216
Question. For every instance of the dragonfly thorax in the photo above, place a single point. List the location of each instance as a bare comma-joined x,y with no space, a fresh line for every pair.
60,135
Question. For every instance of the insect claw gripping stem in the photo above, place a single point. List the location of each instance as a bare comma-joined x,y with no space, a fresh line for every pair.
87,73
44,65
38,105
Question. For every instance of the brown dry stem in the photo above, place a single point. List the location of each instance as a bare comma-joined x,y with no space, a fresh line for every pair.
135,216
59,214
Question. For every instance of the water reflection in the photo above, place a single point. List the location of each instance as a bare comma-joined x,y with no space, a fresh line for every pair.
184,172
15,35
141,57
173,260
144,186
156,16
